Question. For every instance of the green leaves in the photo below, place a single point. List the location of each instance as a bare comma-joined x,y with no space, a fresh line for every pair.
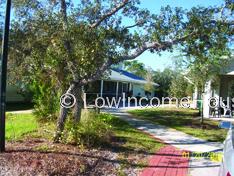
205,51
136,67
164,79
180,87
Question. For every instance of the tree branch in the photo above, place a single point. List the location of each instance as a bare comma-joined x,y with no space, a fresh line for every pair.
110,13
134,25
154,45
229,23
66,41
97,74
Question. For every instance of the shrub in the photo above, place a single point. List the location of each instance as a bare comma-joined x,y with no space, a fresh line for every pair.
46,101
92,130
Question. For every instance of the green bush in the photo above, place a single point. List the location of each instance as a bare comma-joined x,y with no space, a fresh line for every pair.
92,130
46,101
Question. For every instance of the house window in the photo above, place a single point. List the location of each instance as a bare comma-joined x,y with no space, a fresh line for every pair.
109,87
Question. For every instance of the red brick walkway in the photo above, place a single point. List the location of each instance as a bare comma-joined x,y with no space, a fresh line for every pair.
168,161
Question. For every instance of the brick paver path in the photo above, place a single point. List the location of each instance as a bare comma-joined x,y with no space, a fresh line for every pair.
168,161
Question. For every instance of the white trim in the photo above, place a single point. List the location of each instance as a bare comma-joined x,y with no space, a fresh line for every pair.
230,73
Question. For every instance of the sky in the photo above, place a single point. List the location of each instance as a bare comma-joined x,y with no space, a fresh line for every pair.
155,61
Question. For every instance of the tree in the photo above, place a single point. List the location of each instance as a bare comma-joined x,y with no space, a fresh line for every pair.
164,79
204,59
149,86
68,47
135,67
1,18
180,87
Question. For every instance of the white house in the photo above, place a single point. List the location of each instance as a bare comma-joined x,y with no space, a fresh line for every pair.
118,82
223,90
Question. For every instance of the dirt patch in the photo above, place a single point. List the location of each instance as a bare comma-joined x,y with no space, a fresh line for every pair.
41,157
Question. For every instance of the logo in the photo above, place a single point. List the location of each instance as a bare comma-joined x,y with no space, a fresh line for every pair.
67,100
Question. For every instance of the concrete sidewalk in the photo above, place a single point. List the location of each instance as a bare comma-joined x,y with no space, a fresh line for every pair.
20,112
180,140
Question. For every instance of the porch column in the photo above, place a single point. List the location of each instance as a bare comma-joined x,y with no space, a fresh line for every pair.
130,87
219,96
101,91
195,98
205,97
117,90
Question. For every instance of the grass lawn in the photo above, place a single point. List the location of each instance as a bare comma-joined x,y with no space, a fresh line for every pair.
183,120
133,138
18,125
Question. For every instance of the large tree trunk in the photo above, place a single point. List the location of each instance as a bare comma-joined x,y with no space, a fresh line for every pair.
60,124
63,110
78,92
62,118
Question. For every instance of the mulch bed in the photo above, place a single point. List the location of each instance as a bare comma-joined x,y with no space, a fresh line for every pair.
42,157
29,158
